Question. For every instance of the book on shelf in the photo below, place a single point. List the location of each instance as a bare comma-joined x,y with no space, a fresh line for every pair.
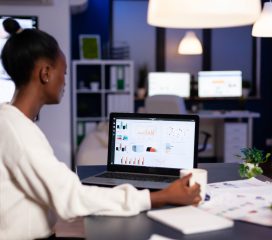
119,77
127,78
118,103
80,132
113,78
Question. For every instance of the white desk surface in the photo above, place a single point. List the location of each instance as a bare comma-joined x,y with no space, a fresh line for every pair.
227,114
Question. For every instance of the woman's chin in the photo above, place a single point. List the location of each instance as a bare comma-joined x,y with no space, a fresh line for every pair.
54,101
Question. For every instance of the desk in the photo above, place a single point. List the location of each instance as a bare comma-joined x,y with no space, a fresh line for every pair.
141,227
229,137
249,116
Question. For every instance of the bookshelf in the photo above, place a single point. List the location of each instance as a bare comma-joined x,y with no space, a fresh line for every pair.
99,87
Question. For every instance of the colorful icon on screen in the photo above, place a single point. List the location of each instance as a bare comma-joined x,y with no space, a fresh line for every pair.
151,149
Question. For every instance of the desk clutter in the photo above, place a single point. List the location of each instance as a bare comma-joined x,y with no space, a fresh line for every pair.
244,200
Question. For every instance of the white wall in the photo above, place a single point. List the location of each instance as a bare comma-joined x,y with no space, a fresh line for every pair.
234,44
55,120
129,25
176,62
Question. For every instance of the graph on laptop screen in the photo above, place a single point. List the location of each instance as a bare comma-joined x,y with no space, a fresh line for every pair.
154,143
6,85
220,84
169,83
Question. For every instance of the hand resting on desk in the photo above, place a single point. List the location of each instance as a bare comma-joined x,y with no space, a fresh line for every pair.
177,193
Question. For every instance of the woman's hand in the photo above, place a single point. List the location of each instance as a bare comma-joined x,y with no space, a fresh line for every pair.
177,193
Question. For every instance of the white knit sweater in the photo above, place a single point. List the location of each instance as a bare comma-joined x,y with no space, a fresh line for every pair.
35,186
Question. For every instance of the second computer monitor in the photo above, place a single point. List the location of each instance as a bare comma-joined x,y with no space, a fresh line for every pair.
220,84
169,83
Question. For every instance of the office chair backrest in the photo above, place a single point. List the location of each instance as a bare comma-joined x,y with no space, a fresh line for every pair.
165,104
171,104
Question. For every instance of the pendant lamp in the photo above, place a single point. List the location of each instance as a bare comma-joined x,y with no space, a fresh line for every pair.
202,13
263,25
190,44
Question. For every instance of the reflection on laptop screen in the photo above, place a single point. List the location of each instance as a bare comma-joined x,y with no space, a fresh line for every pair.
154,143
169,83
220,84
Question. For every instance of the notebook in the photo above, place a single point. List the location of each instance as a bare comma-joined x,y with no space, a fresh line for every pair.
190,219
148,150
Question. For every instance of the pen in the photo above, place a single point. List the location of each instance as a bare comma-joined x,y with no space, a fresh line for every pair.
207,197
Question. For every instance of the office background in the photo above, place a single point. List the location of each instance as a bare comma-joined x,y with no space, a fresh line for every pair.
56,121
97,20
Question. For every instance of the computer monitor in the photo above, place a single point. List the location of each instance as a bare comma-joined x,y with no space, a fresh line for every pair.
7,88
169,83
219,84
6,85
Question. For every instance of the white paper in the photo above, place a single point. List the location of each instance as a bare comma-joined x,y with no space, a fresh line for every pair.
246,200
159,237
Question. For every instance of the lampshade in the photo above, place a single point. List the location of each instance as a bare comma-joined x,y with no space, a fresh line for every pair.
263,25
202,13
190,44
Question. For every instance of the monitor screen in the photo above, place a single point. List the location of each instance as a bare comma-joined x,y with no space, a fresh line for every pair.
7,88
220,84
6,85
169,83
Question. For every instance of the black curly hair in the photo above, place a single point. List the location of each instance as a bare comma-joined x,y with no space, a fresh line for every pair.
11,25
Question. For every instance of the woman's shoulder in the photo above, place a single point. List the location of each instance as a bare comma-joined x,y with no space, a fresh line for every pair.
10,117
17,127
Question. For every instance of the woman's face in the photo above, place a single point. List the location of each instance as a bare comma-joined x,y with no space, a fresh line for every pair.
56,81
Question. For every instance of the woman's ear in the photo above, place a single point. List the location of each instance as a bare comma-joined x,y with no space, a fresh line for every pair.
44,74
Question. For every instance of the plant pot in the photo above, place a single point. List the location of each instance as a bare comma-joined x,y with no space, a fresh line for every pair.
250,170
245,92
141,93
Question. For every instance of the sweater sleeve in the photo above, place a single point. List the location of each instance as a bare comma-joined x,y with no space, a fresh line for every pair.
50,183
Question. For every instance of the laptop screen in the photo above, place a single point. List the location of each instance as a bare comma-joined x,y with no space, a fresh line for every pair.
153,141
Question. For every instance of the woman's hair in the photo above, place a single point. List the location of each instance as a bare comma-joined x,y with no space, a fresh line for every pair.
11,25
23,50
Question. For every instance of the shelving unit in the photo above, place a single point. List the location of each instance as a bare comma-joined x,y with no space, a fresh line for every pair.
99,87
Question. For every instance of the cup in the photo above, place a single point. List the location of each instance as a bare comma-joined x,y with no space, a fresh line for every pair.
199,176
94,86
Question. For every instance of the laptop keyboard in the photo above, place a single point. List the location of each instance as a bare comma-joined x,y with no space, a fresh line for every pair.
140,177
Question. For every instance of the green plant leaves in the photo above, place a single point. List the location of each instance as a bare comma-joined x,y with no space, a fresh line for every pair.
252,157
249,172
243,170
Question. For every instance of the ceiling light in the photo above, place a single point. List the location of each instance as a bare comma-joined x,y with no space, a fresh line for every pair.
202,14
190,44
263,25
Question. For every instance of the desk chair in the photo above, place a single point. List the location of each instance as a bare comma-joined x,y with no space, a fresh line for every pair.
171,104
165,104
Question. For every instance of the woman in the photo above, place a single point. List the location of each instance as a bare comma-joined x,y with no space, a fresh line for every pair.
34,185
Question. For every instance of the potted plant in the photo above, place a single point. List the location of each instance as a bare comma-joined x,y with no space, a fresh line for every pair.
252,158
143,72
246,88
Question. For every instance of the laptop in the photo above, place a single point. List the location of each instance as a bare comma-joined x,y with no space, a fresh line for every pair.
148,150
